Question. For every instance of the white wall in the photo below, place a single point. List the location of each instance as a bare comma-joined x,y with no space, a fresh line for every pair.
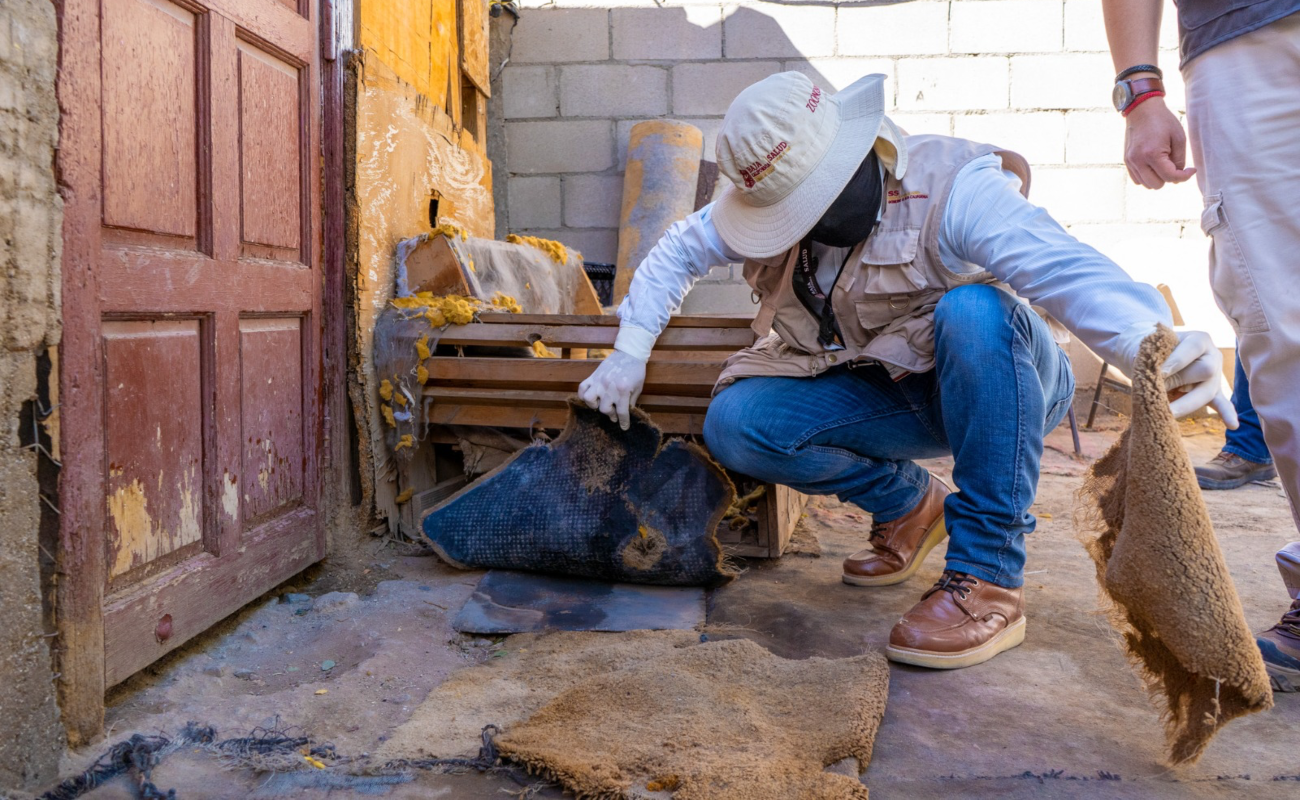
1031,75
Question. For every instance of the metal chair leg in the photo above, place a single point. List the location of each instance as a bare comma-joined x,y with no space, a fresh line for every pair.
1096,396
1074,431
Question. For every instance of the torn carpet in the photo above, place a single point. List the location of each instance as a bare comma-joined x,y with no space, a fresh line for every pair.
1160,567
618,715
598,502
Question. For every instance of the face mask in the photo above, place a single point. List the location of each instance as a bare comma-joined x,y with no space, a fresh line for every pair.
852,217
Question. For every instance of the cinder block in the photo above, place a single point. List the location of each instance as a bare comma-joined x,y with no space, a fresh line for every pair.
707,89
1063,81
1005,26
940,124
1174,202
543,147
1106,235
679,34
734,297
595,244
970,83
1038,136
534,202
901,29
561,35
1085,28
1094,137
723,274
837,73
613,90
1175,89
1090,194
778,31
592,201
530,92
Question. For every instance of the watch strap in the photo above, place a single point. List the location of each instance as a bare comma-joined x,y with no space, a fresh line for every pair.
1133,70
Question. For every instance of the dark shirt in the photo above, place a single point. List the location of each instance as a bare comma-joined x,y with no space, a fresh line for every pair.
1202,24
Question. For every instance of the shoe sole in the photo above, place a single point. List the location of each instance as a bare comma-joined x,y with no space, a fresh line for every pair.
935,534
1282,679
1212,484
1011,637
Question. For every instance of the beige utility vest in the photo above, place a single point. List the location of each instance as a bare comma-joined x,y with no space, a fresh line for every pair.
885,297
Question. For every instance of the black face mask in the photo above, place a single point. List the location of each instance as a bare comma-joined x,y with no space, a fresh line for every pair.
852,217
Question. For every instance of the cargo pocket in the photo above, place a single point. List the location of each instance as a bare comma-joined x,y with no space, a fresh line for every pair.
1230,278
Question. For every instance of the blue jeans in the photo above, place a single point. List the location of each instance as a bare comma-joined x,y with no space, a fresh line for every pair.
999,385
1247,440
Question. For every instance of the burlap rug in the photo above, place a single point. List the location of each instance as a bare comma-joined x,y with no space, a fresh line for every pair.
1160,567
624,715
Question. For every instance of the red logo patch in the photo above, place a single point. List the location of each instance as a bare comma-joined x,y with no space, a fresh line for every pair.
759,170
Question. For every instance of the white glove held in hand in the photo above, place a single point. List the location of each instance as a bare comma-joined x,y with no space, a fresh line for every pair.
615,386
1197,366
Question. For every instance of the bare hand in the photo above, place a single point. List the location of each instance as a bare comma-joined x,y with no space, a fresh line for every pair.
1155,149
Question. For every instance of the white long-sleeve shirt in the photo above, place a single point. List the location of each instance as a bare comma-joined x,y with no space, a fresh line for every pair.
987,224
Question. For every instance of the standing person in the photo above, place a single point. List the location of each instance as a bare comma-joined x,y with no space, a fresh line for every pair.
1240,60
1244,457
885,266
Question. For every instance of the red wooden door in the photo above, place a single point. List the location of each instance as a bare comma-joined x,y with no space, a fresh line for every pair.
191,384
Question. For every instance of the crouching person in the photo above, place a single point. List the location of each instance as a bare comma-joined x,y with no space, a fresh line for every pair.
885,266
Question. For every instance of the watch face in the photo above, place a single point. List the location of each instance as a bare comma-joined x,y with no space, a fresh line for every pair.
1121,95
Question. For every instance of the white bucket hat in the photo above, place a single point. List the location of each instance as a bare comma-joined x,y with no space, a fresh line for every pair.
789,149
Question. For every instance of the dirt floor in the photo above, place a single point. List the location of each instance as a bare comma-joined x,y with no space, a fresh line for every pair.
1061,716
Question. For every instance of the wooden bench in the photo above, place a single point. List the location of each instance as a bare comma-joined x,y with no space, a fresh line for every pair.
526,391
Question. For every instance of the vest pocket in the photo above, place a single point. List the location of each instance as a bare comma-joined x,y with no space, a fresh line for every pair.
888,247
1230,277
880,311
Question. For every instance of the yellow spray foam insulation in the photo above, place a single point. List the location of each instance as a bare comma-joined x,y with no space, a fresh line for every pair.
400,399
507,303
542,351
422,347
441,311
558,252
451,231
388,415
405,496
422,375
386,389
471,266
407,440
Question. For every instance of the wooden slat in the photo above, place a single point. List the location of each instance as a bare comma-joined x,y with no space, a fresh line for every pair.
533,399
586,336
550,374
554,418
498,317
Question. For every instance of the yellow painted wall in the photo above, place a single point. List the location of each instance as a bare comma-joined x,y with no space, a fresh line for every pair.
409,144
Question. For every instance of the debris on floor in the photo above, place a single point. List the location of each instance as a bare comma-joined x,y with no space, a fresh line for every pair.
598,502
1159,563
521,602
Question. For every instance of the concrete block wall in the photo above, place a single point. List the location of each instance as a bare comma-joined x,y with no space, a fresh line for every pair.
31,741
1031,75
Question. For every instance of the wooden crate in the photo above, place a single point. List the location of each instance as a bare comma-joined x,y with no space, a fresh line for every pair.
779,511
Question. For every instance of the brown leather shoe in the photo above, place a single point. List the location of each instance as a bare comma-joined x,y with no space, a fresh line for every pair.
898,547
960,622
1229,470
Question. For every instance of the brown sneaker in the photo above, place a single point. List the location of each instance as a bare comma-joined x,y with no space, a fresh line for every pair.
1229,470
960,622
898,547
1280,647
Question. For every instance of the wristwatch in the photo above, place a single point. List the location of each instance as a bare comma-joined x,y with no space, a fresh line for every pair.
1126,91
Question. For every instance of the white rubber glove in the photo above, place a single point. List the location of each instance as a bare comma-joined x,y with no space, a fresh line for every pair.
1197,366
615,386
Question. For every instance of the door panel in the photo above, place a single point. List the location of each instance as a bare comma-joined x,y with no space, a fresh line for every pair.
270,150
149,66
271,399
190,156
153,441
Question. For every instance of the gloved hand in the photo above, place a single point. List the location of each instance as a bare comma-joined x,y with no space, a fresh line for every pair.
615,386
1197,366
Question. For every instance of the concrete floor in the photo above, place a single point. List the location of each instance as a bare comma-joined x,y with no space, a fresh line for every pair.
1061,716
